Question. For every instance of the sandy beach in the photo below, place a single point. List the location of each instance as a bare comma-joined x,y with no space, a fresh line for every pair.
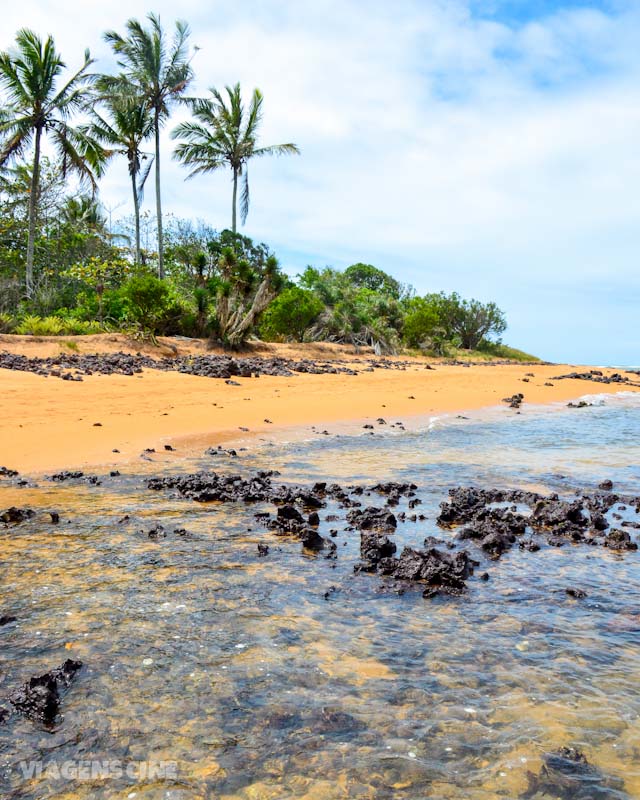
50,424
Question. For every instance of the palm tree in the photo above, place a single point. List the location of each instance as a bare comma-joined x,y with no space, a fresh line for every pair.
159,72
224,135
35,106
130,122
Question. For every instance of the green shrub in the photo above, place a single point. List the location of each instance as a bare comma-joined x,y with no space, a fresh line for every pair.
82,327
290,314
7,323
147,302
32,325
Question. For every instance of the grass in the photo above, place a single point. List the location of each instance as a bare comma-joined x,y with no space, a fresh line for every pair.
490,351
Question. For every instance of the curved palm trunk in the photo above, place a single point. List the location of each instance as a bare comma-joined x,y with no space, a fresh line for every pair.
136,215
158,198
33,213
235,199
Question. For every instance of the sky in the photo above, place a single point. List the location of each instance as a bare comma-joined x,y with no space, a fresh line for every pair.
488,147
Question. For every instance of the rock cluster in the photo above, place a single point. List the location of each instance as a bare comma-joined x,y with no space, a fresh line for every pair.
40,697
73,366
482,516
566,774
597,376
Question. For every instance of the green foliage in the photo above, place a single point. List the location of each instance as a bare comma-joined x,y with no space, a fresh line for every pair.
423,327
437,322
224,134
242,290
100,273
499,350
290,315
7,323
147,302
33,325
353,314
367,276
39,104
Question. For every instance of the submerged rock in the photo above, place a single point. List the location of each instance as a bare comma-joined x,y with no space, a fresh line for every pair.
619,540
39,699
14,516
566,774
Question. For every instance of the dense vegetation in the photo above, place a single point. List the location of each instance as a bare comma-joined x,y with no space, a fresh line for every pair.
65,268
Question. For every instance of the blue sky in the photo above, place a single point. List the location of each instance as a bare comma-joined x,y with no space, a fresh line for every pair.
488,147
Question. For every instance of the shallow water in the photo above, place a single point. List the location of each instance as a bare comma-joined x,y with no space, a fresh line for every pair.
239,671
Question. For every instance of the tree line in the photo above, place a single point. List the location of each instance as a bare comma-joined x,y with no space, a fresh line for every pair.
124,110
65,267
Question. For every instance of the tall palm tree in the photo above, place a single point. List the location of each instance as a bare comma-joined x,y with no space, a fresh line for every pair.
129,123
225,135
158,71
35,106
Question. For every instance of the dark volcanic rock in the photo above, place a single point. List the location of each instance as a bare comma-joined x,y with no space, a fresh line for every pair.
495,529
567,775
67,475
442,572
463,506
598,377
72,366
39,699
373,548
619,540
290,513
13,515
515,401
206,487
372,519
312,540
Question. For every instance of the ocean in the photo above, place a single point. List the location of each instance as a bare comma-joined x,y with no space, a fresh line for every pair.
212,670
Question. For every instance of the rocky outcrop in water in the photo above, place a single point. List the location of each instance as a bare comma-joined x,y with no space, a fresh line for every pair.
597,376
40,698
14,516
566,774
74,475
482,516
372,518
438,571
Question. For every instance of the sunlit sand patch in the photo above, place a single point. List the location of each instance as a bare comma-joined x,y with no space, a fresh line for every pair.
349,667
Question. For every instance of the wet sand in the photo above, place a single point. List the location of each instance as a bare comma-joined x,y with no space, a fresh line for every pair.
49,424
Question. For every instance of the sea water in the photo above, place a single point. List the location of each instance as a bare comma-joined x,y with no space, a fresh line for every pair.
290,676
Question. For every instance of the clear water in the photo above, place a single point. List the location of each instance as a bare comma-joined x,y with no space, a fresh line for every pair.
238,670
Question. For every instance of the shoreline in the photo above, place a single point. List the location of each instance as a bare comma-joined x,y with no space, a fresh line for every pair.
50,424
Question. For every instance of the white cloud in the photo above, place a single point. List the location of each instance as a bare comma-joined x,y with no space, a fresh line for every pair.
493,158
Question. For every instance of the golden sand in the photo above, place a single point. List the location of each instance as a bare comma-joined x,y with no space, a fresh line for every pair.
49,424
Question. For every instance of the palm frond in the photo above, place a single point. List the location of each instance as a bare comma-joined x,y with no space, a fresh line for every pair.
143,174
277,150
